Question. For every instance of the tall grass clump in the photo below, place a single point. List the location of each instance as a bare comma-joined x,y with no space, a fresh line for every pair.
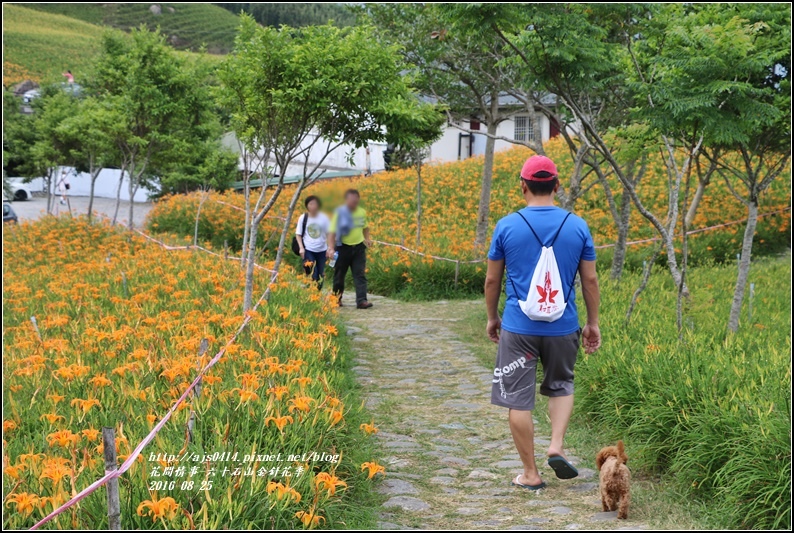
711,410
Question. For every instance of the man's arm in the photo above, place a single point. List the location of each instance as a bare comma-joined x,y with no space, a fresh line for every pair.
493,289
591,334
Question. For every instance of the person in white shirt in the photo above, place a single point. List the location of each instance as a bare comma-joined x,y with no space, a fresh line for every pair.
63,186
312,235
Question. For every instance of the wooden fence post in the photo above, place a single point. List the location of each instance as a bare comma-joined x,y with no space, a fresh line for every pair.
124,284
111,465
457,272
203,347
225,249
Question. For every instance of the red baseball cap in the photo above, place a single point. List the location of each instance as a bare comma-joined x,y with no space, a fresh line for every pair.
537,164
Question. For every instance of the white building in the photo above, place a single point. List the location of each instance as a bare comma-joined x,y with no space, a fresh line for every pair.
106,186
456,143
364,160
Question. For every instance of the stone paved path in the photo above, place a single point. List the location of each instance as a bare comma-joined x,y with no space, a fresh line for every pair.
447,451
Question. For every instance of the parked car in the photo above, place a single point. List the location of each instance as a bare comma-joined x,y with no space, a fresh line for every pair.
29,96
19,189
8,214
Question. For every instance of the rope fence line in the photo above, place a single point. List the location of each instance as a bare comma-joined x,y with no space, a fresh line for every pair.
602,246
127,464
699,230
477,261
196,247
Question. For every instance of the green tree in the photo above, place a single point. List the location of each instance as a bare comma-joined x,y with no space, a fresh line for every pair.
460,67
163,98
48,148
744,105
206,165
88,136
295,96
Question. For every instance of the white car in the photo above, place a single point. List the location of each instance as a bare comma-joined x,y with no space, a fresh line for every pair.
20,190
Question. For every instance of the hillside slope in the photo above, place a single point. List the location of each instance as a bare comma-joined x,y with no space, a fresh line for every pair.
39,46
188,26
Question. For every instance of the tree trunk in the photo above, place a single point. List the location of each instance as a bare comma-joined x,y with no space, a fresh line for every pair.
49,191
249,266
247,196
118,197
94,176
568,198
246,224
418,204
285,231
693,207
744,266
484,209
132,191
619,257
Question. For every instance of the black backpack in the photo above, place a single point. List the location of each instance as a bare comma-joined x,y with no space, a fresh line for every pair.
296,248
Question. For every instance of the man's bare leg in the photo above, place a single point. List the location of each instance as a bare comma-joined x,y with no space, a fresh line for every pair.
560,410
523,430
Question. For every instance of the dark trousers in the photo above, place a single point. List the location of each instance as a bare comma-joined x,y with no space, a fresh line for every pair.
317,266
355,258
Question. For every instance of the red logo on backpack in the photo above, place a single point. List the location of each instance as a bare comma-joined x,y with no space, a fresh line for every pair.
546,292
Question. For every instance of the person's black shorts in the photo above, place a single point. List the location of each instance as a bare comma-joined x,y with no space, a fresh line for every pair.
516,368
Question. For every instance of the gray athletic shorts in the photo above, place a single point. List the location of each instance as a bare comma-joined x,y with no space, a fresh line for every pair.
517,363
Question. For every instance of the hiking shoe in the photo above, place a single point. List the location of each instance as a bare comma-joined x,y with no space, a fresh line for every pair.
364,305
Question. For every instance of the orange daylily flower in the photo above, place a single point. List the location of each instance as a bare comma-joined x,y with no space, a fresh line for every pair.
335,416
300,403
278,391
280,421
91,434
55,470
309,519
158,508
25,502
373,468
369,429
63,438
328,482
84,405
283,491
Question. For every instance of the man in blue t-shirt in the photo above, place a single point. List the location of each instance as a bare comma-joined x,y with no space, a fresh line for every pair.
516,247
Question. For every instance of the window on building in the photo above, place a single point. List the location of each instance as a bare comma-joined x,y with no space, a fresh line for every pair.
474,125
524,129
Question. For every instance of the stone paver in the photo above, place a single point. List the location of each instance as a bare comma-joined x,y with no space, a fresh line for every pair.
448,452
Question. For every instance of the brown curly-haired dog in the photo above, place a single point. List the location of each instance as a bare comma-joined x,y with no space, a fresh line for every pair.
615,479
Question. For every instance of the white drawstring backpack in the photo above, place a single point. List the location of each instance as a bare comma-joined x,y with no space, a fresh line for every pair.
545,301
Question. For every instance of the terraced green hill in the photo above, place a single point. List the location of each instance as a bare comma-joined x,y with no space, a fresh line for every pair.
40,45
189,26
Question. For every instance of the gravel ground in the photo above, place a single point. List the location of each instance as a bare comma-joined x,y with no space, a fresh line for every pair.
37,207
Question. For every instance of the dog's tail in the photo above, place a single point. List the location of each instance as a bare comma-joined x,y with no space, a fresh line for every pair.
621,452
